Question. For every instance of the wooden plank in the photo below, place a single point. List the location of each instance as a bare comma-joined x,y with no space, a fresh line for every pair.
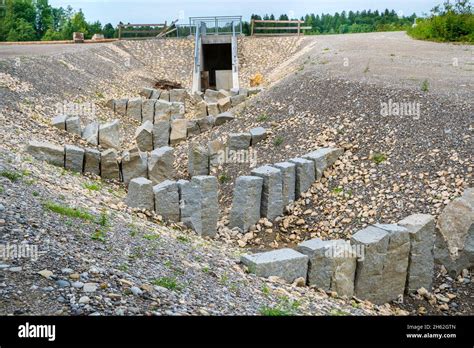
141,25
283,22
276,28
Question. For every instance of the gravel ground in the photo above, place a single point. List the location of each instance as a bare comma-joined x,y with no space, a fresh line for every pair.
393,166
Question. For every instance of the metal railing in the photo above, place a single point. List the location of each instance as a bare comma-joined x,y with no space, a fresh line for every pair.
218,25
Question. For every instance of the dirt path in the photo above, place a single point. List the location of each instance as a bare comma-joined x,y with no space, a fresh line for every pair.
394,59
12,51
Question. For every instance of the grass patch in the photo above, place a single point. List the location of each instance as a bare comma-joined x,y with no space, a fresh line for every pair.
379,157
10,175
223,178
337,190
69,212
168,283
278,140
92,186
262,118
183,239
285,307
425,86
265,290
151,236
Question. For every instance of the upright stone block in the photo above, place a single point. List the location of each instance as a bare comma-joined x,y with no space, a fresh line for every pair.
369,275
288,172
59,122
162,111
192,128
286,264
201,109
92,161
161,134
246,201
396,262
148,110
91,133
155,94
205,123
223,118
209,203
160,165
177,110
73,126
144,136
43,151
305,175
272,193
238,99
74,158
239,141
146,92
454,246
134,165
190,205
134,109
198,160
167,200
140,194
422,237
332,265
178,131
224,104
165,95
211,96
324,158
213,109
258,134
120,106
216,152
109,135
178,95
109,165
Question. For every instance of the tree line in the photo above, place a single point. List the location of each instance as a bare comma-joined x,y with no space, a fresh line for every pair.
32,20
344,22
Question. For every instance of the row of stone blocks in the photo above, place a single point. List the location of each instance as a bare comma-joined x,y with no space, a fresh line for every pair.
107,135
201,158
157,165
271,188
151,110
378,264
150,136
193,202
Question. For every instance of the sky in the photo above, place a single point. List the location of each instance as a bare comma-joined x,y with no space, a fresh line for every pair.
158,11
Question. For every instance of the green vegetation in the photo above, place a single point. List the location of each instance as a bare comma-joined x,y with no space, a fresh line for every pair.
262,118
379,157
344,22
10,175
32,20
278,140
69,212
223,178
447,22
338,312
168,283
425,86
285,307
92,186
